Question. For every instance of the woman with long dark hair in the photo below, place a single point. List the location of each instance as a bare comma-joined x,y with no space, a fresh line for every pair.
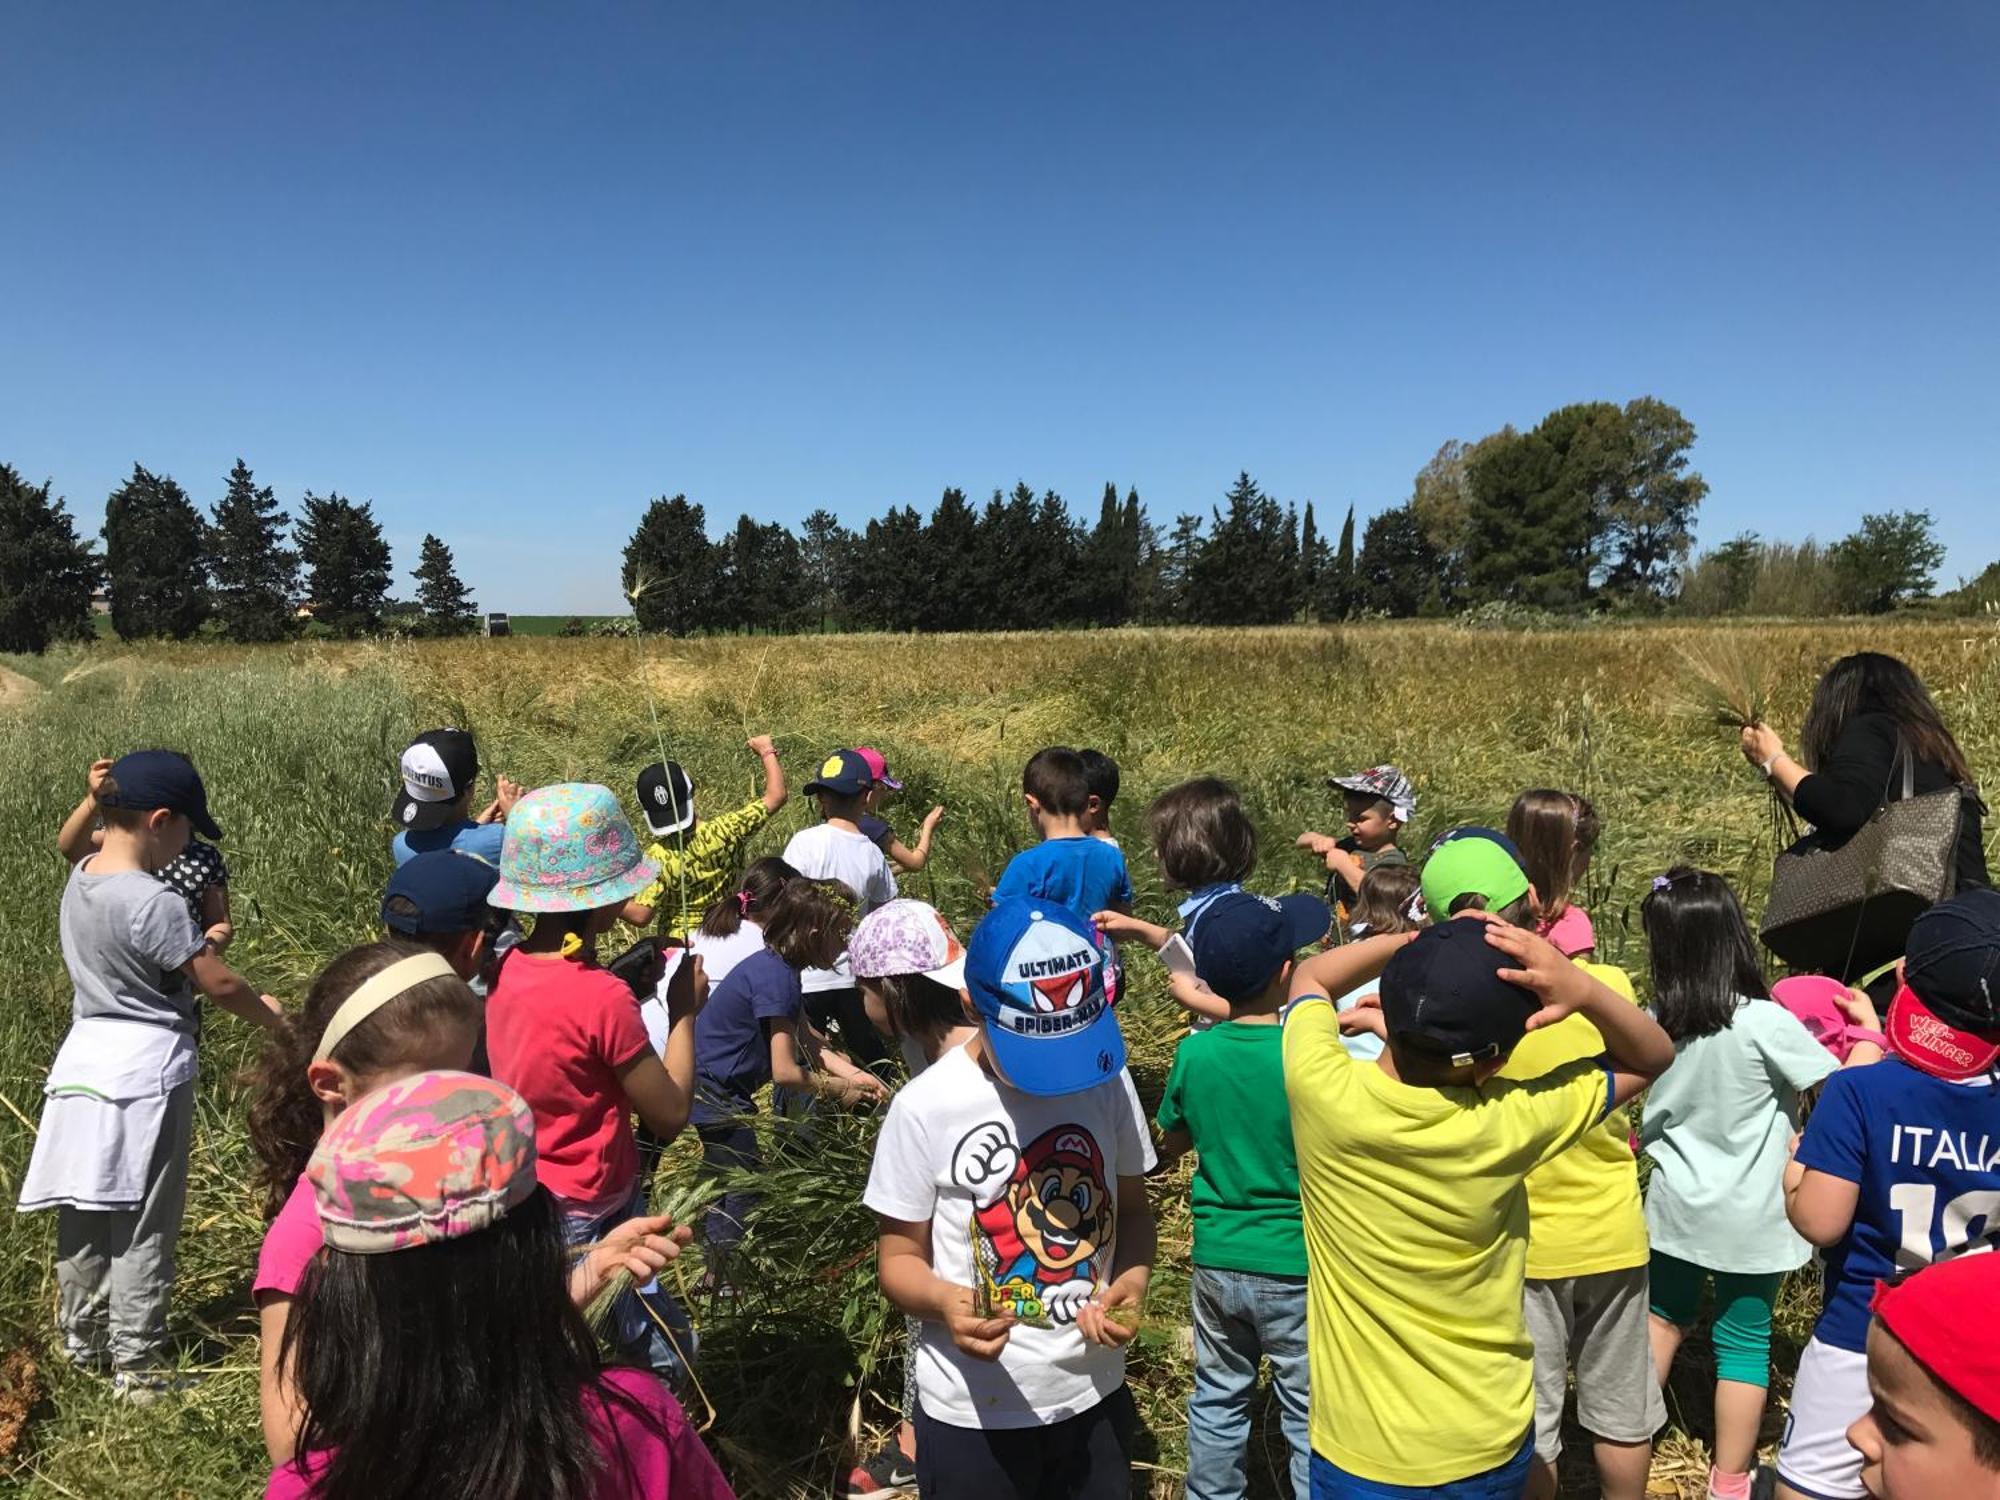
1867,709
433,1341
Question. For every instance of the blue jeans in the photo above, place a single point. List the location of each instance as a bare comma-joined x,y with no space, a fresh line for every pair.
631,1327
1504,1483
1242,1318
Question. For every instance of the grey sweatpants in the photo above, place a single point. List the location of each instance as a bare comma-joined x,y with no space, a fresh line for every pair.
115,1270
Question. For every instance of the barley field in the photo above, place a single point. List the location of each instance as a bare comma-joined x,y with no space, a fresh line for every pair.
299,745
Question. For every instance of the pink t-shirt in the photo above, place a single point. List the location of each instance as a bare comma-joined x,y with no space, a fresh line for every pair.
1571,932
290,1243
657,1457
559,1031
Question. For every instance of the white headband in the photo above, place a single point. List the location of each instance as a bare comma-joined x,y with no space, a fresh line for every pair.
402,975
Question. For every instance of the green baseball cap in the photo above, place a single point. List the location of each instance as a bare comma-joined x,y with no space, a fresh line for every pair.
1473,860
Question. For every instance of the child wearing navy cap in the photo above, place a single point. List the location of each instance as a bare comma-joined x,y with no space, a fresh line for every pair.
1225,1099
1009,1183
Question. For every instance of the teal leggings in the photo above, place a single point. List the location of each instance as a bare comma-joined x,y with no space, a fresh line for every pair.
1742,1331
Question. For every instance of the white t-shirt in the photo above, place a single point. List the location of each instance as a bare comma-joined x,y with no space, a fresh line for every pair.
824,852
721,954
1021,1193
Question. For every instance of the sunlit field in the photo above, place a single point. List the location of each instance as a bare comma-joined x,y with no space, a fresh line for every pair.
298,746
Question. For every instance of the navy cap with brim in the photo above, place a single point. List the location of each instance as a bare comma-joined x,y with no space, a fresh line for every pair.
442,891
1442,994
1242,939
149,779
844,773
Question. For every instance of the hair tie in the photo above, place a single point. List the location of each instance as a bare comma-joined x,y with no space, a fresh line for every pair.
1661,882
744,901
403,975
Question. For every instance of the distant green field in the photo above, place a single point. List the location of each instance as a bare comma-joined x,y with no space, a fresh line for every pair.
553,624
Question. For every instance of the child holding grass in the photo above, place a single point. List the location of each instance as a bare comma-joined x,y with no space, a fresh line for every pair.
1008,1180
1225,1100
1717,1127
111,1154
567,1035
696,856
1377,803
1556,833
1899,1166
872,823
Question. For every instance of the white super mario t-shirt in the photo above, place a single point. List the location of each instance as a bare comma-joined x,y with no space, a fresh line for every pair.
1021,1192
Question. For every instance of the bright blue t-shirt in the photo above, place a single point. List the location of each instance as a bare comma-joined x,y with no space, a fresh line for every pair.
732,1053
481,840
1083,873
1926,1154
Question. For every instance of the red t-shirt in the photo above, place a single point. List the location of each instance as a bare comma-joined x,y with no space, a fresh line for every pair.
559,1031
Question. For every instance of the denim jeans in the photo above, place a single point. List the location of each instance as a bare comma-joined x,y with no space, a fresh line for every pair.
1240,1319
631,1327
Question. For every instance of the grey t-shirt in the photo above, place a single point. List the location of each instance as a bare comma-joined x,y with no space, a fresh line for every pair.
124,938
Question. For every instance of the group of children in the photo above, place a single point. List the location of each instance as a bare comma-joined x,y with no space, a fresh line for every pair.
1415,1190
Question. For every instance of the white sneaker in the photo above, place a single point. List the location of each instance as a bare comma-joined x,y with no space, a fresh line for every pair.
145,1387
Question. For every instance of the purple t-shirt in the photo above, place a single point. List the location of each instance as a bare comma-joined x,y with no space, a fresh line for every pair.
732,1054
290,1243
656,1456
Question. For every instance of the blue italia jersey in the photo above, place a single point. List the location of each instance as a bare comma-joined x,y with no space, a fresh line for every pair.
1926,1155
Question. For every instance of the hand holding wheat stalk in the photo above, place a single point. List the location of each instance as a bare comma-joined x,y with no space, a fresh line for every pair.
1728,683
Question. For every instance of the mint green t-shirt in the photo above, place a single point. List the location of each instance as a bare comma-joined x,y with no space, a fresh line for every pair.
1227,1090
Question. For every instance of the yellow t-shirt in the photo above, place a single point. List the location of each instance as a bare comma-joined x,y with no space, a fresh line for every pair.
1416,1235
1584,1213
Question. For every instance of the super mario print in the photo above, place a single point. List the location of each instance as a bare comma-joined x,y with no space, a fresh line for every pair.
1043,1229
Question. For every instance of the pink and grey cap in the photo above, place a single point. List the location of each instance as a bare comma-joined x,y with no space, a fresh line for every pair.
424,1159
570,847
907,937
878,767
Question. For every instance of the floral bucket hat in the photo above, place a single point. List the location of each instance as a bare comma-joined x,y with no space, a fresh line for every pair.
570,847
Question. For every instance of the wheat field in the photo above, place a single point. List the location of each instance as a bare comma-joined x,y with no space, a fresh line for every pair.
298,746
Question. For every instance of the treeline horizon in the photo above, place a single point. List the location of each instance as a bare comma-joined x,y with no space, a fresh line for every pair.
1592,511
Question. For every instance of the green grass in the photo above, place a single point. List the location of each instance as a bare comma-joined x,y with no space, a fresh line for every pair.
298,745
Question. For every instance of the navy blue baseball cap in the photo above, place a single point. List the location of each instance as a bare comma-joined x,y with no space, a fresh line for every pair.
1036,973
844,773
147,779
1951,960
442,891
1242,940
1442,994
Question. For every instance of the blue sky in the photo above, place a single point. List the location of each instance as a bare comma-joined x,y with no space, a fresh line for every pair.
510,271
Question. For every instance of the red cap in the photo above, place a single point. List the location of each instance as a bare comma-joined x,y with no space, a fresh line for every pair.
1944,1315
1924,1040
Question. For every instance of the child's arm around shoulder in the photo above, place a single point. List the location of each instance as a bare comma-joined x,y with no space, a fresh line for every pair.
1639,1051
1341,969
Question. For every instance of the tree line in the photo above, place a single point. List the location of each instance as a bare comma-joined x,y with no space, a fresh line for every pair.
244,570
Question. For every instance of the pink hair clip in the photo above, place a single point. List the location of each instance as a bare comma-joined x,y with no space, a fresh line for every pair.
744,901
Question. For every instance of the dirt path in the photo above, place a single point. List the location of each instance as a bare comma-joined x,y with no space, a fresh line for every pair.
15,690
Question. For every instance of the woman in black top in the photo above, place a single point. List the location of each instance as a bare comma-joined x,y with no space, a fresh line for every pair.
1865,708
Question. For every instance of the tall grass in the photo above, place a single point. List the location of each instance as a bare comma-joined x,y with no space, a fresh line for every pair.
299,744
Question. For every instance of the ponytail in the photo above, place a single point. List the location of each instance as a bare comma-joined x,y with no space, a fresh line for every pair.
286,1116
751,900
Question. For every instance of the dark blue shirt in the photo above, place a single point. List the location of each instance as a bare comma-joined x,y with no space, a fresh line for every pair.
732,1049
1082,873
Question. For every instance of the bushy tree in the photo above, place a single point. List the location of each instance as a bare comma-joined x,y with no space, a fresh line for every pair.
447,604
1180,556
950,597
1246,571
1890,559
1313,559
256,577
1400,571
1537,506
1340,591
888,578
156,554
670,568
1111,562
47,573
1647,526
346,559
824,547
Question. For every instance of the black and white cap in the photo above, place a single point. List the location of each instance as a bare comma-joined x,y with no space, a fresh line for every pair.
438,769
666,797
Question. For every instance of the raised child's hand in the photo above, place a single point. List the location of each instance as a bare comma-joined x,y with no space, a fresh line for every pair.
94,778
1859,1009
977,1334
760,745
642,1247
1319,843
1539,967
507,792
931,819
1121,927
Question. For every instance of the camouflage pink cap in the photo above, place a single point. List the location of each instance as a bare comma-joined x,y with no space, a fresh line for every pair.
427,1158
907,937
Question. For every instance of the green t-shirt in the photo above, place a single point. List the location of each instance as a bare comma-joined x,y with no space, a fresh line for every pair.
1227,1090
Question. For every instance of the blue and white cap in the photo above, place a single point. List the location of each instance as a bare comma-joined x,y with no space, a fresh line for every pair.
1036,971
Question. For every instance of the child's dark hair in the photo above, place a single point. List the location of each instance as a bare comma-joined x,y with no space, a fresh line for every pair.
1056,779
1426,1070
1520,912
1555,832
1382,901
513,1419
285,1115
806,922
1100,777
1202,834
1703,955
918,1005
751,898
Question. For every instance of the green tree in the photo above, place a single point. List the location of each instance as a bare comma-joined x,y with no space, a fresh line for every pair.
950,594
1647,526
1245,573
1339,594
1538,503
1180,556
824,546
1890,559
1111,563
155,552
1399,569
1313,560
47,573
889,575
447,604
256,576
346,559
670,567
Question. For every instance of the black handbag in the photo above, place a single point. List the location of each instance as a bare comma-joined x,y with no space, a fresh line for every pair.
1845,908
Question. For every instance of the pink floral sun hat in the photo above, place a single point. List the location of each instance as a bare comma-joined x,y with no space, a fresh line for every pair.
570,847
907,937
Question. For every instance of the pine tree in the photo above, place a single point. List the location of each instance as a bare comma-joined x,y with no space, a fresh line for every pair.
256,576
889,574
1540,503
1243,573
448,605
47,574
155,553
670,567
1312,561
824,550
950,598
1398,571
346,559
1339,597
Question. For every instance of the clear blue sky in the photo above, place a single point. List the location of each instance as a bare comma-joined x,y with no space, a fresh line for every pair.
509,271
